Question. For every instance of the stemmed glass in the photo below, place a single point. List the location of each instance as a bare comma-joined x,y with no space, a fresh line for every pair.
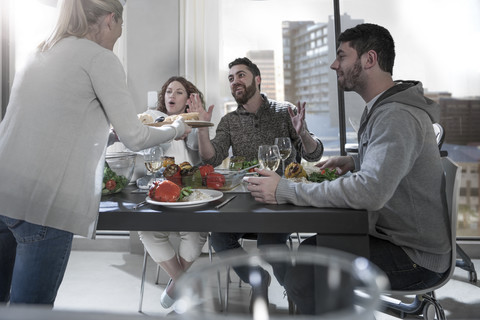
269,157
285,147
153,160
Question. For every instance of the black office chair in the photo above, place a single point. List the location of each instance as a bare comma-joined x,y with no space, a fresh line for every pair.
425,302
464,262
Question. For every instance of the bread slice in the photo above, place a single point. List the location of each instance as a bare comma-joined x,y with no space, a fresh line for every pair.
185,116
145,118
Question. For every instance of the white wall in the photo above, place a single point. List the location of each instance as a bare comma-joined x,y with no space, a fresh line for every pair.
152,46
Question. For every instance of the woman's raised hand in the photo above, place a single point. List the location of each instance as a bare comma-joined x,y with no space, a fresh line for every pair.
195,105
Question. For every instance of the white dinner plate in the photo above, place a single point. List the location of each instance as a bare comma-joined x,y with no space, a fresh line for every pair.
214,195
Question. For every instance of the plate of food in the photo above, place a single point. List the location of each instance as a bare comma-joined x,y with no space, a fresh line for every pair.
190,118
168,194
297,172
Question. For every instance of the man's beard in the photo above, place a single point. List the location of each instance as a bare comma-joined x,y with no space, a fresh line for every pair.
350,77
246,95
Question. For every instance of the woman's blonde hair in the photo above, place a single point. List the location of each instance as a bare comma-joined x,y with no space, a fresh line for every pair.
76,16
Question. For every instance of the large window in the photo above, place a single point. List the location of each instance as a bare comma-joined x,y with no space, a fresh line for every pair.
436,42
289,41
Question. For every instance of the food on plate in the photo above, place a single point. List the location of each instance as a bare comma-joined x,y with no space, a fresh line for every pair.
201,177
215,180
295,170
112,182
248,164
167,160
185,194
167,191
191,177
145,118
196,195
324,174
236,163
206,169
185,165
240,163
172,173
185,116
164,191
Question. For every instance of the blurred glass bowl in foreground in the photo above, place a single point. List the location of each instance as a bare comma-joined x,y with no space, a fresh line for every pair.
330,284
118,171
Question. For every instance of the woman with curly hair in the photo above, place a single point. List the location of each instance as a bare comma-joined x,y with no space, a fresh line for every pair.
173,99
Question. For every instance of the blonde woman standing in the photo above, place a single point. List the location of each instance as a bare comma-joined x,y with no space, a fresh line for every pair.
52,146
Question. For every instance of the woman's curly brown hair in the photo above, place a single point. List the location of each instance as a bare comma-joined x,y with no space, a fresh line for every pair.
190,87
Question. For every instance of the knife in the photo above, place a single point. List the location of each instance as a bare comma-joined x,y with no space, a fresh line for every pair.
224,202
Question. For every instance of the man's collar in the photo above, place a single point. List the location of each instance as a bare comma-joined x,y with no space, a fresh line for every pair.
241,109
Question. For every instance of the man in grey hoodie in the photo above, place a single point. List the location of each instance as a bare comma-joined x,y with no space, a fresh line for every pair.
396,176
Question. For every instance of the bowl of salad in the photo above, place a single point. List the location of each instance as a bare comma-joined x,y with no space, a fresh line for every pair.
118,171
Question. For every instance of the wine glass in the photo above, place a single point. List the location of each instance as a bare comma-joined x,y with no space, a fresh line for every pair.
269,157
285,147
153,160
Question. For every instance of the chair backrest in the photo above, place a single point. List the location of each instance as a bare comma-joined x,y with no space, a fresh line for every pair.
452,173
439,134
453,176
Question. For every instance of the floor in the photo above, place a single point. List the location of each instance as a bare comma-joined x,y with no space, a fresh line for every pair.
109,282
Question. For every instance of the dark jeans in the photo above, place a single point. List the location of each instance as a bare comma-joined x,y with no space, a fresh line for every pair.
308,290
33,260
224,243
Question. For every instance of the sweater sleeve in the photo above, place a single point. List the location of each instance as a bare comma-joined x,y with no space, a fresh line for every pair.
108,80
221,143
388,156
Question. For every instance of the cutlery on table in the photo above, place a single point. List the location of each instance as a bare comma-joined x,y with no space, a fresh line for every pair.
224,202
140,204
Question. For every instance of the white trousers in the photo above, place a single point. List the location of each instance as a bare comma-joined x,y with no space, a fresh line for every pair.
160,248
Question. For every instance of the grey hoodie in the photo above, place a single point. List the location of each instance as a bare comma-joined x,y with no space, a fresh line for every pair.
398,179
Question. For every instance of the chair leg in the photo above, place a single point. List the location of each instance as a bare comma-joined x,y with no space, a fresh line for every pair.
142,283
210,256
466,264
158,274
226,289
299,239
420,305
228,273
291,306
432,300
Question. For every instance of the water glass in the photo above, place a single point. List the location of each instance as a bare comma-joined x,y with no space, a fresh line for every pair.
269,157
285,146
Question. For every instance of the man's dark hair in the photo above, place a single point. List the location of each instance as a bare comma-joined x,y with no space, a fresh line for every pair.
245,61
368,36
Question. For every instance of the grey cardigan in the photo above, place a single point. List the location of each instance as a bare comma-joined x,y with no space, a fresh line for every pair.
55,131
